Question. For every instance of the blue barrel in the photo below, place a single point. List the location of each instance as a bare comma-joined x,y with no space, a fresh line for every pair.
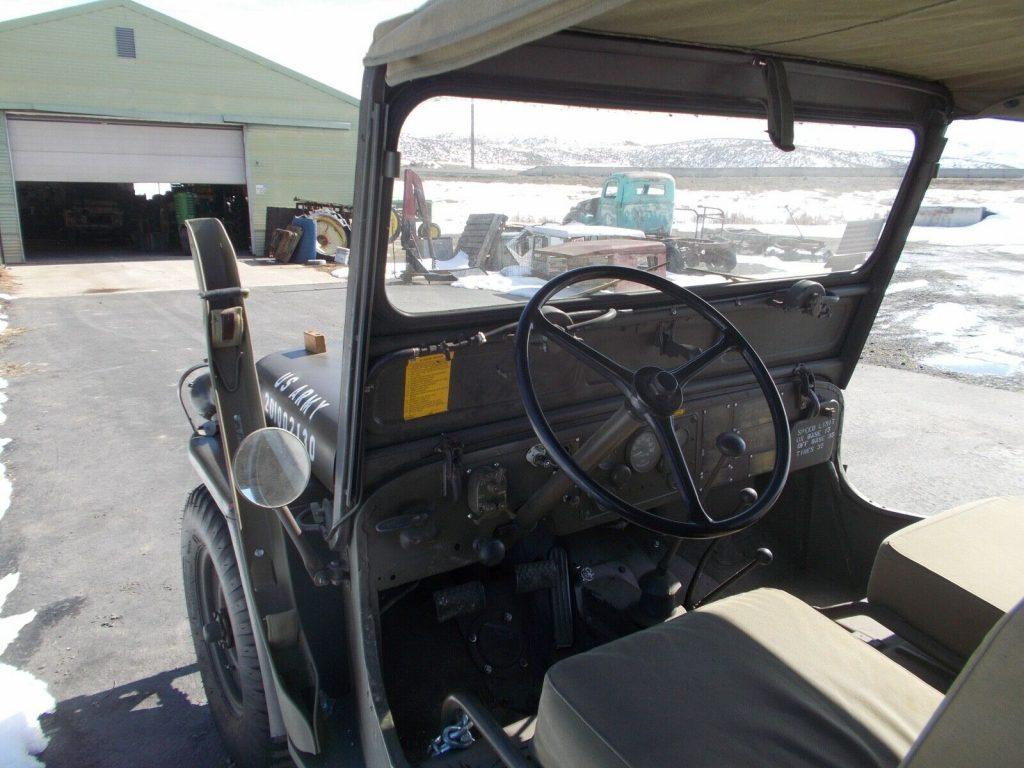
306,249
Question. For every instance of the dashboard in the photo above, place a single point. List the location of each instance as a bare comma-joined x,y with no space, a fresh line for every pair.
433,517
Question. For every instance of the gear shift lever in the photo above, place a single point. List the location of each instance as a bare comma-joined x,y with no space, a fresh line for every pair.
764,556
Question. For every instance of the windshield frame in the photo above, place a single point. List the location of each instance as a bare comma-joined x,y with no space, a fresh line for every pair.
821,92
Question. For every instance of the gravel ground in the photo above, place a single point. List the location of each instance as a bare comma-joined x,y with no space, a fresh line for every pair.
955,312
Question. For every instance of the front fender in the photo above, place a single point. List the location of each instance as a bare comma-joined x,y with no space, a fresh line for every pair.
207,456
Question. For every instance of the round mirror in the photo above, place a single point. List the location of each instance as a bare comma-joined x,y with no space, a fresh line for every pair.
271,467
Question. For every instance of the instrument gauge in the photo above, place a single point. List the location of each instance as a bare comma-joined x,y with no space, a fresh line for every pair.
643,451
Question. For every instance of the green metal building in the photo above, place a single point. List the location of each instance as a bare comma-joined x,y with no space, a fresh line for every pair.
113,93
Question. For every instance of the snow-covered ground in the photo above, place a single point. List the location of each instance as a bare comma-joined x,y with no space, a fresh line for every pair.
23,697
956,303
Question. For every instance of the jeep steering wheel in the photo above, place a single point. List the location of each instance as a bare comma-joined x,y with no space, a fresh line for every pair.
652,395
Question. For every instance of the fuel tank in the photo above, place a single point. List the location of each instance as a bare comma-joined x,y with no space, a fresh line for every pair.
300,392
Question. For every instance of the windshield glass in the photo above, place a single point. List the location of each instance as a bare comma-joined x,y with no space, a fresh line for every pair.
496,198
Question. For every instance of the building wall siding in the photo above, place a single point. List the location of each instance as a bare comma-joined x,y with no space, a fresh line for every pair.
69,64
285,163
10,227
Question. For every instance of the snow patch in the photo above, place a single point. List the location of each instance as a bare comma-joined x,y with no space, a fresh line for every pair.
510,285
907,285
1001,231
979,345
24,698
459,261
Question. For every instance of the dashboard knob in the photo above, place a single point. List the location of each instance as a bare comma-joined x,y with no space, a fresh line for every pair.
489,551
731,444
621,474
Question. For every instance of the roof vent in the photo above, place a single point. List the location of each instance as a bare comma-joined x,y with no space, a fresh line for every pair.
125,39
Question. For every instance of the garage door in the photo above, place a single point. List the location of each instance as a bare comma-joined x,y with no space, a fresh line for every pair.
80,150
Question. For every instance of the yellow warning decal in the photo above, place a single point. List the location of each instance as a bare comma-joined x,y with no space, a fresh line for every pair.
427,382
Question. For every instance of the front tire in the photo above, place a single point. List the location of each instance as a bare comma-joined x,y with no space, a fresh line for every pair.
223,636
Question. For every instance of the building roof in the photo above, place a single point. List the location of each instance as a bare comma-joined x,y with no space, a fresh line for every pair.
100,5
972,47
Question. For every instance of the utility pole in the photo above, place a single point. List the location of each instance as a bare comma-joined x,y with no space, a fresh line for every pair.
472,134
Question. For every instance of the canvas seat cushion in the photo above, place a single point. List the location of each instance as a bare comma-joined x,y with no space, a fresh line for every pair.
954,575
757,679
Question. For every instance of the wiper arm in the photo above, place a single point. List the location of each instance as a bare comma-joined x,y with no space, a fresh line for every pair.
726,275
610,283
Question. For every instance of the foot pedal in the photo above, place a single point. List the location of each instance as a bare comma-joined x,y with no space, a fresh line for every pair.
458,601
540,574
561,598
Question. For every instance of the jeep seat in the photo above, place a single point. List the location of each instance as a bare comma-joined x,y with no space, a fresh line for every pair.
762,679
952,576
757,679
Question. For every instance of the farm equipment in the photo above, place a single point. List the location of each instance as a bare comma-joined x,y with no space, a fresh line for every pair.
94,220
708,248
333,225
426,250
421,218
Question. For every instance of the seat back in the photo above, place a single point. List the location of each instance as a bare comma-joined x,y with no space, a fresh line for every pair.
979,723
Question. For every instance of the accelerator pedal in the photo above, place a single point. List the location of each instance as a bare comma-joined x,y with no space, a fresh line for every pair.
561,599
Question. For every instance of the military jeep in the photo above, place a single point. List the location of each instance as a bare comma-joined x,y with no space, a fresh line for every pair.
601,518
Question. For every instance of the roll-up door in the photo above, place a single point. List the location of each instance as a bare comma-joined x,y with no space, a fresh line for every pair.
93,151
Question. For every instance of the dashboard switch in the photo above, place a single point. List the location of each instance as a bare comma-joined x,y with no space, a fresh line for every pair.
487,494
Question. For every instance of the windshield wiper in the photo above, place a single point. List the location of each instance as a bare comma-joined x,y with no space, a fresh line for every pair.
698,270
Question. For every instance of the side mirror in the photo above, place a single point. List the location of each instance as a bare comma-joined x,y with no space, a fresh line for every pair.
271,467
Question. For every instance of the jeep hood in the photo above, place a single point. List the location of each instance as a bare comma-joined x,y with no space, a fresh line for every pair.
299,393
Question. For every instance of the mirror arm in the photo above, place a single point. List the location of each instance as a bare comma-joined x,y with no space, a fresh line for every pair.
779,103
320,574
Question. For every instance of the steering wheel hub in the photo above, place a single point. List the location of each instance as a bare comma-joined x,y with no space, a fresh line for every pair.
659,390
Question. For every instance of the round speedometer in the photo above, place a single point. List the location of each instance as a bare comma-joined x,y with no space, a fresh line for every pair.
643,451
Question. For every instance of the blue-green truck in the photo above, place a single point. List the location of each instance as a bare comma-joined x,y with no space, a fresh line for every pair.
642,200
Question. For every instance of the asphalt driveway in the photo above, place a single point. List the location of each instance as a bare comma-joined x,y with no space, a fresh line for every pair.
100,475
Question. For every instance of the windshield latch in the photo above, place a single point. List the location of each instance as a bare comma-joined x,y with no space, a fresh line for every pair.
451,471
807,296
811,404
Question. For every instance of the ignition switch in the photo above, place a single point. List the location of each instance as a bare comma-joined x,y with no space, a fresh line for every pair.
488,492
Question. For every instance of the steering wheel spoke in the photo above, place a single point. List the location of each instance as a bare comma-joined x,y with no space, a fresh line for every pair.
617,374
685,485
702,360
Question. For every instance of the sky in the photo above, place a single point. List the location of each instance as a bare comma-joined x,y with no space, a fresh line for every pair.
326,40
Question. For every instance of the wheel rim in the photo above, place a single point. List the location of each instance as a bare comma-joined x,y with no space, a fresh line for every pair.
217,632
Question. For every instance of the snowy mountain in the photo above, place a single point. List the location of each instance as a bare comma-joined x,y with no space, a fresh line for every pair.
521,153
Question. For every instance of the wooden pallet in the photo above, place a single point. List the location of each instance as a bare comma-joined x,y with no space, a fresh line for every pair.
481,236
